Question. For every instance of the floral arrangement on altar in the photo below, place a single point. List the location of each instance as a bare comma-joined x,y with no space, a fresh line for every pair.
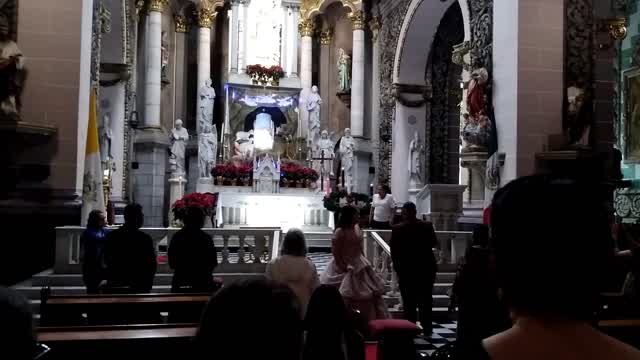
336,200
231,174
265,75
206,202
294,175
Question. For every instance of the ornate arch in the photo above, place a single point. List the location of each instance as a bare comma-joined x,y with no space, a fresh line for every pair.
311,8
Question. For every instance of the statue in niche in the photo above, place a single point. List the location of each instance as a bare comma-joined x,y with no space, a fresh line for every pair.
476,121
207,150
105,138
244,146
325,146
344,72
313,107
179,138
416,156
164,46
207,98
12,72
347,153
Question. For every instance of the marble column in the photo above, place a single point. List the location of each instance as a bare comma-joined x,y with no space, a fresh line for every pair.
295,39
117,141
245,33
234,36
326,39
375,26
305,27
357,75
205,20
154,66
180,82
284,55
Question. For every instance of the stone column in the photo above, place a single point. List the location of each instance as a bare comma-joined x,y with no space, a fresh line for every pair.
181,67
357,75
375,25
245,33
305,27
234,36
284,55
205,20
117,141
326,39
295,18
154,66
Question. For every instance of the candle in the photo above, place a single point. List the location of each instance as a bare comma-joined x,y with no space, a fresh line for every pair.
371,190
343,178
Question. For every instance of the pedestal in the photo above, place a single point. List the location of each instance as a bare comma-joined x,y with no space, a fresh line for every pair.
205,185
442,204
177,184
476,165
362,163
151,146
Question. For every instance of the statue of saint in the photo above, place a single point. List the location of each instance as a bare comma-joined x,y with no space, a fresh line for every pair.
207,150
416,150
207,98
344,72
244,145
476,122
165,57
12,74
347,149
105,138
326,147
179,138
313,107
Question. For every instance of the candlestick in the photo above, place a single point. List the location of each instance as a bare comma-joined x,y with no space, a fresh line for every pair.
342,178
371,190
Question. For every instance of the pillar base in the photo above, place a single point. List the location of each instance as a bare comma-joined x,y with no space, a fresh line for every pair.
442,205
150,177
205,185
177,184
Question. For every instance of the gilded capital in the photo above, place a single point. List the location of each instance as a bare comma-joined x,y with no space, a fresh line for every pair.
181,24
157,5
205,17
375,25
305,28
357,20
326,37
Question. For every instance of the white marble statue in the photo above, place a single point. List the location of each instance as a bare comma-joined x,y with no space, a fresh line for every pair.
244,145
165,57
12,72
344,71
105,138
325,146
347,153
207,99
179,138
313,107
207,150
416,155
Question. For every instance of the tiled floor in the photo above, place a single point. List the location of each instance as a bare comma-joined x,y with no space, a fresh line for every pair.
442,335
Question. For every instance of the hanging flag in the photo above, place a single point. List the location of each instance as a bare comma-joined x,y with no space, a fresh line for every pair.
92,190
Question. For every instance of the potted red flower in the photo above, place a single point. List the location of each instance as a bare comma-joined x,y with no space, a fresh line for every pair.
204,201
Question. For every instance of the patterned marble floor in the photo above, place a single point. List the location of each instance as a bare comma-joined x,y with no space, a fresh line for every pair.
442,335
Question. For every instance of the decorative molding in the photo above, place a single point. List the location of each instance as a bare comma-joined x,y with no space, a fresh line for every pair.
617,27
310,8
157,5
182,25
305,27
205,17
375,24
140,7
400,89
358,20
459,52
326,36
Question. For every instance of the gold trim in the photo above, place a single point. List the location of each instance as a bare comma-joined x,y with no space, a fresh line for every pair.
305,28
181,24
205,17
326,37
157,5
357,20
310,8
375,25
617,27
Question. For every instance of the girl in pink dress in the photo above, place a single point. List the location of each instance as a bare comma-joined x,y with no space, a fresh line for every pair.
350,271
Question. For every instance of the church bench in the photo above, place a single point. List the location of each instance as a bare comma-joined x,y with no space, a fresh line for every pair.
119,308
626,330
157,341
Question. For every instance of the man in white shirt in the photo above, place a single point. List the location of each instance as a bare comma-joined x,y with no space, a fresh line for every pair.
382,208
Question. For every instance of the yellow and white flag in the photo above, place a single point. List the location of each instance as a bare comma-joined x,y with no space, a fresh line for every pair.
92,191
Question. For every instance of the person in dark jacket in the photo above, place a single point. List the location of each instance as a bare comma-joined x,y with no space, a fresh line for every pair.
92,247
412,244
130,255
192,255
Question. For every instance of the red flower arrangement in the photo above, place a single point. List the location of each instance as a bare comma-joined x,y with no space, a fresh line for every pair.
264,74
294,172
232,172
206,202
275,72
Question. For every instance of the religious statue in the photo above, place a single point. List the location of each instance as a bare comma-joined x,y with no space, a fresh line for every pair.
577,118
179,138
244,145
477,123
207,150
313,107
105,138
207,99
165,57
347,149
12,74
344,72
416,154
325,150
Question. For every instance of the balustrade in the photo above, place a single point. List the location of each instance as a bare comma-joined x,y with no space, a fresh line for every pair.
252,247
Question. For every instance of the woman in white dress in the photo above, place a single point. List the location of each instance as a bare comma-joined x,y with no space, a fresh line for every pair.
350,272
382,208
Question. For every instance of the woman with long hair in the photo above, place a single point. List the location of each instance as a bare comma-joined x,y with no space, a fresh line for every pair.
350,271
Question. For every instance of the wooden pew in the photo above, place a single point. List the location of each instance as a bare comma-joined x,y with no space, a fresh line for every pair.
68,310
158,342
625,330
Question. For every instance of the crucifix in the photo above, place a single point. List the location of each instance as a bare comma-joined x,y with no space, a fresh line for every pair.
322,159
